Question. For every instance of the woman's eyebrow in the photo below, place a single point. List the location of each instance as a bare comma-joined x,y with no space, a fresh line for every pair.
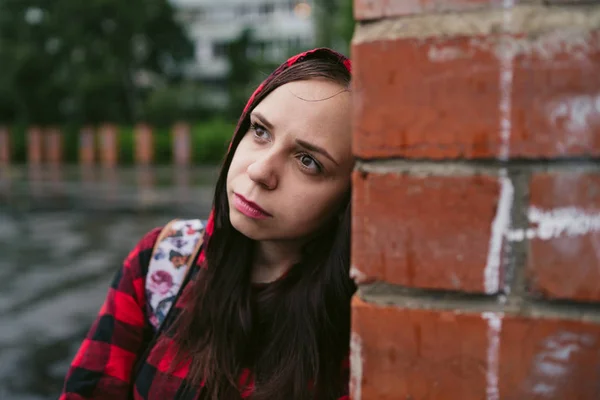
262,120
316,149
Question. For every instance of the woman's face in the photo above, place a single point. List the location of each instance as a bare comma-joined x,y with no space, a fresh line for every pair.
292,168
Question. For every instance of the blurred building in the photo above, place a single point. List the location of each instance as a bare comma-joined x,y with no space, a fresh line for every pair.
279,28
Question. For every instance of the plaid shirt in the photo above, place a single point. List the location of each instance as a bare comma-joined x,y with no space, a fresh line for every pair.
102,367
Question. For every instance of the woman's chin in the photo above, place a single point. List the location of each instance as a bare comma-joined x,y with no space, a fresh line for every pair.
251,228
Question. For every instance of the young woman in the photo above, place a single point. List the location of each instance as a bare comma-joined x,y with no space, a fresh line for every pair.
266,313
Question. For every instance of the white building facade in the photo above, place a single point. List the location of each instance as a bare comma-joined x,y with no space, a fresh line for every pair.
278,27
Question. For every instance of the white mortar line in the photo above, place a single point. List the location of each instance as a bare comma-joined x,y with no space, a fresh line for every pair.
356,366
506,55
556,222
494,322
502,220
500,225
505,85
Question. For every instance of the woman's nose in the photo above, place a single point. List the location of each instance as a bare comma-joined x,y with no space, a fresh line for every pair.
263,171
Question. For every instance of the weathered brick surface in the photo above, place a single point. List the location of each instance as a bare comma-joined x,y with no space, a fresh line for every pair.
510,84
423,231
564,253
445,98
400,353
568,2
371,9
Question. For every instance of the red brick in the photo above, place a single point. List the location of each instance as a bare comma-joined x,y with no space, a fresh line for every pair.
423,231
563,263
441,97
400,353
373,9
570,2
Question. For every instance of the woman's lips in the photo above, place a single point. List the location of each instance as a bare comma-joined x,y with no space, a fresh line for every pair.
249,208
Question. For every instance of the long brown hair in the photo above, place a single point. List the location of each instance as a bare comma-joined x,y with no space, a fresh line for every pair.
293,334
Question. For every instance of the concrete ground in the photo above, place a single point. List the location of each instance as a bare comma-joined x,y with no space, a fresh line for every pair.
61,241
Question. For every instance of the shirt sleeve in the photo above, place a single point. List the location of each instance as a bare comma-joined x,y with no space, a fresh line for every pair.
103,364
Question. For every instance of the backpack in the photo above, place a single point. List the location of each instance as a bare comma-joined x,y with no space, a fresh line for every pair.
174,252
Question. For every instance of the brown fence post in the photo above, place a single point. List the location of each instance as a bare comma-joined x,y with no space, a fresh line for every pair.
143,144
53,137
53,146
5,177
34,145
4,146
87,156
87,146
35,150
182,144
108,145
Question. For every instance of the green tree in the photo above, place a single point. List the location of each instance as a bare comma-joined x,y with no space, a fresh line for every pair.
81,61
334,24
324,12
242,76
344,25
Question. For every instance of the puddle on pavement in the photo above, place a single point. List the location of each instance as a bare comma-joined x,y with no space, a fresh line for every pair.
55,268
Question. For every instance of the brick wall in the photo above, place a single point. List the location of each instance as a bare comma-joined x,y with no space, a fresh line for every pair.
476,230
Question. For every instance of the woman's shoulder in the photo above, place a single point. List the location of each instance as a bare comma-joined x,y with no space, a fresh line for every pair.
149,239
177,228
160,238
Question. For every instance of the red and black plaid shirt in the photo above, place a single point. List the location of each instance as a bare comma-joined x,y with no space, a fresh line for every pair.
102,368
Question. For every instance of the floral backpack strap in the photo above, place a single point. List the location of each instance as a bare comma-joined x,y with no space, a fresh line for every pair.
172,257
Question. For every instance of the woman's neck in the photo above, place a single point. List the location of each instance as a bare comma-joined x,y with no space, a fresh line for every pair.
273,258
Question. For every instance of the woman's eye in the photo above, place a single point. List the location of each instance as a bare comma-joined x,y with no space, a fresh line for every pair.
260,132
309,163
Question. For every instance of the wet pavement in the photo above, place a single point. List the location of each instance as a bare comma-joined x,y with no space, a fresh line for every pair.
61,241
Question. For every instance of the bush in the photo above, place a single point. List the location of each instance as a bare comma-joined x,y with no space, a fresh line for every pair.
18,143
210,140
125,143
163,146
70,143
